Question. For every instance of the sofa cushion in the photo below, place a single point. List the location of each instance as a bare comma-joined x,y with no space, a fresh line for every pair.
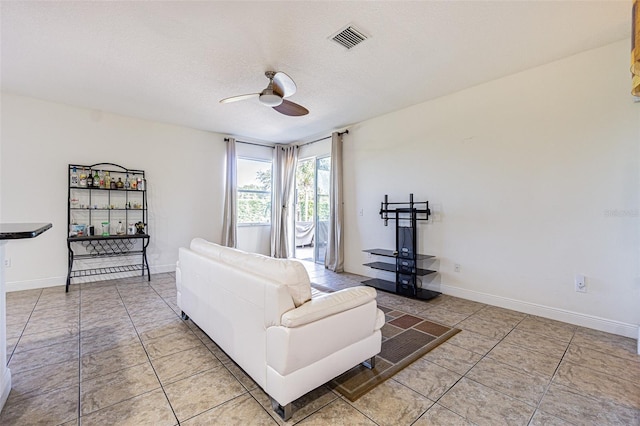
327,305
290,273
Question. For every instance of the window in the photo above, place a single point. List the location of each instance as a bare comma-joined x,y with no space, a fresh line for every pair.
254,192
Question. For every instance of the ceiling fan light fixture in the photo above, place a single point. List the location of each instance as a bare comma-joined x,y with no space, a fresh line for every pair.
269,98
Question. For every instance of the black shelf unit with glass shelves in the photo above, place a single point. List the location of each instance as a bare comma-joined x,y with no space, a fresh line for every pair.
111,214
406,258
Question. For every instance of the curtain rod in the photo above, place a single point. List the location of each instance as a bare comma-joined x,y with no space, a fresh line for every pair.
321,139
251,143
306,143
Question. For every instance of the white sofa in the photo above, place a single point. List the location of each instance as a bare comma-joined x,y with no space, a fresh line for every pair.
261,312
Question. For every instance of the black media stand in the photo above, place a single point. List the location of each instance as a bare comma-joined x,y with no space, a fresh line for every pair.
406,257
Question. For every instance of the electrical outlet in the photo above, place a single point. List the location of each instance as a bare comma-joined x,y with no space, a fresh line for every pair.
580,283
456,267
7,262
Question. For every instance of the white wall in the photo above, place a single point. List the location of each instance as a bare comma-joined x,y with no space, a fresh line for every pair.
316,149
185,172
533,178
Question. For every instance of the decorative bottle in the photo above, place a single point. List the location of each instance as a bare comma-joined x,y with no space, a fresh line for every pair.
96,180
74,177
90,179
83,179
120,229
107,180
119,183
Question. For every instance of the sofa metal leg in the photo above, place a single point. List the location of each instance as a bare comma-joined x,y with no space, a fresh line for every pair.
370,363
284,412
184,316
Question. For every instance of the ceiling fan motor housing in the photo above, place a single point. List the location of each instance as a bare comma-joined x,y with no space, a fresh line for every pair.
280,86
270,98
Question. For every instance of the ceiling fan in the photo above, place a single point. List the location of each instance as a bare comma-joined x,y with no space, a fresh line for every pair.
280,86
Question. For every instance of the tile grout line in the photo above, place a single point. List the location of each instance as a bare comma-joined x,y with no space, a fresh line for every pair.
555,372
146,352
223,365
23,328
210,351
475,364
463,375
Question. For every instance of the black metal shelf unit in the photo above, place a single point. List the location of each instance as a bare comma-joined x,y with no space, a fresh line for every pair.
93,209
406,256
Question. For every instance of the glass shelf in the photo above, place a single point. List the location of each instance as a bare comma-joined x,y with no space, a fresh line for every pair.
107,189
392,268
107,237
392,253
105,209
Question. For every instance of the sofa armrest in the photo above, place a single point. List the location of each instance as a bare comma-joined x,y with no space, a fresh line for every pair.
327,305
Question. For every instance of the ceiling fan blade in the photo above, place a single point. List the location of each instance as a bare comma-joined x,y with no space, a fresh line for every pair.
291,108
239,98
284,84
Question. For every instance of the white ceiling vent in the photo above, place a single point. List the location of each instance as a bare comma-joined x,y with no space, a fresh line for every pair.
349,37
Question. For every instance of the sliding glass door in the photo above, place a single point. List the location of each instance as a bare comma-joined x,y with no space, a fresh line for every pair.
305,209
312,208
323,166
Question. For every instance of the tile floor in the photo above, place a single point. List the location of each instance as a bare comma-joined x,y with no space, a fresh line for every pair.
116,352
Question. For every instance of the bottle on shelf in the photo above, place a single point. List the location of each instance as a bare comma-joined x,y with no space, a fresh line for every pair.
140,188
127,182
134,183
90,179
119,183
74,177
107,180
102,181
96,180
112,184
83,179
120,228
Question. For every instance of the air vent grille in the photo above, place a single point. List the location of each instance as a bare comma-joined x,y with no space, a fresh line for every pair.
349,37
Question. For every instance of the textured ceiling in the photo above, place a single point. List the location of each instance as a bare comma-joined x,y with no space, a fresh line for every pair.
173,61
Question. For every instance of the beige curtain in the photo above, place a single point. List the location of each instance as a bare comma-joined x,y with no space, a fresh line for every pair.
229,223
635,53
285,160
334,259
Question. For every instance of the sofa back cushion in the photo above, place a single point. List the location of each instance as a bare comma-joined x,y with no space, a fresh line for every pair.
290,273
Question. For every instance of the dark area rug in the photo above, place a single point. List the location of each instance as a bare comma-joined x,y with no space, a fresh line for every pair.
405,338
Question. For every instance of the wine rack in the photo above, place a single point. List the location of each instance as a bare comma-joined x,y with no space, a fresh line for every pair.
93,210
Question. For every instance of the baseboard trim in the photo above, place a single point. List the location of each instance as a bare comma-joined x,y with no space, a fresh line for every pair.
5,385
58,281
576,318
162,269
32,284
